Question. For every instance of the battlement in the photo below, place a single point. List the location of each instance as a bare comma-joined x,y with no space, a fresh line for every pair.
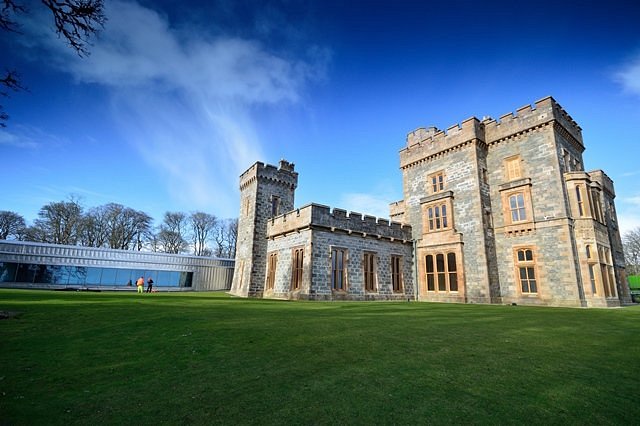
284,174
528,117
423,143
321,216
605,181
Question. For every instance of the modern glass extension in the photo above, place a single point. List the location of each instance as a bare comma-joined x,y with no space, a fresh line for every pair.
88,276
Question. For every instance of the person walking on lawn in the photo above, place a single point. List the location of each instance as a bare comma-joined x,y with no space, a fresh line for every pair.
140,285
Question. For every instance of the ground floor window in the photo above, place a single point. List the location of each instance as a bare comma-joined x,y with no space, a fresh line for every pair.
88,276
338,269
396,273
298,268
526,270
369,264
271,270
442,272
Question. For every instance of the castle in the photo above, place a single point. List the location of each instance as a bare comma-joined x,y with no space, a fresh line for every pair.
492,212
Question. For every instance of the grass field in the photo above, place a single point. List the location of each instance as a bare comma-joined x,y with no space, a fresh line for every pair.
205,358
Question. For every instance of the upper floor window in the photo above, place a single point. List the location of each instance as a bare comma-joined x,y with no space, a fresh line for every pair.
517,207
396,273
596,206
275,205
369,264
298,268
580,200
437,217
513,169
437,182
526,269
338,269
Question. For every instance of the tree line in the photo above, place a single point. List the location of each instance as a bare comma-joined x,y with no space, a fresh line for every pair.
116,226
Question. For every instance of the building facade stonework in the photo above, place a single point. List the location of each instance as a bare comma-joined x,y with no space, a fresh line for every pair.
493,211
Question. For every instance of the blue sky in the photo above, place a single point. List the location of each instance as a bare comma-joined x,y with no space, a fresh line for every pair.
176,101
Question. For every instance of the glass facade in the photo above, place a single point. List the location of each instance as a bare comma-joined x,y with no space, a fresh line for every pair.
88,276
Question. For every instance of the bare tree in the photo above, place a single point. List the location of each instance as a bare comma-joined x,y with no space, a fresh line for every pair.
59,222
11,225
115,226
631,244
75,20
225,236
202,225
172,232
232,239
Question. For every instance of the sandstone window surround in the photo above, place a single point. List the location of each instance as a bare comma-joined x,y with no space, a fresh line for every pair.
517,207
396,273
513,168
271,270
580,199
526,270
437,211
297,268
596,205
339,259
436,181
606,271
441,272
370,267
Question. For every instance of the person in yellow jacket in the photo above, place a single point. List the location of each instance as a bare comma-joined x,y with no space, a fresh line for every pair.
140,285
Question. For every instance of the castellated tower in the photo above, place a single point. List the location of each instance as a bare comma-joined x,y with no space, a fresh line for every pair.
266,191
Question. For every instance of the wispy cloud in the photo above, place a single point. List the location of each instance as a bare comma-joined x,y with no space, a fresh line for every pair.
184,99
27,137
629,75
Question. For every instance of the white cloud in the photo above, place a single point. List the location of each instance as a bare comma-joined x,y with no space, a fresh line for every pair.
184,99
27,137
628,212
629,76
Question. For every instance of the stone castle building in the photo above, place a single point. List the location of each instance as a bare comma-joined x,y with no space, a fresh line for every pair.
492,212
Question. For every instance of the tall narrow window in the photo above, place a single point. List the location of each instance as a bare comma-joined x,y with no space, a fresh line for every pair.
338,260
271,270
452,270
275,205
513,168
592,278
516,206
526,271
369,263
430,273
437,182
580,202
597,207
298,268
396,273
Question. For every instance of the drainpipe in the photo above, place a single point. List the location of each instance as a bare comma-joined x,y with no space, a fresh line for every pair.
415,272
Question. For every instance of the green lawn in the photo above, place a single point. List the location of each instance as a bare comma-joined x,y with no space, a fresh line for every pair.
204,358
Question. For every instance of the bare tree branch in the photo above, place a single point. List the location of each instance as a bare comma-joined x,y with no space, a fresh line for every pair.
9,8
77,21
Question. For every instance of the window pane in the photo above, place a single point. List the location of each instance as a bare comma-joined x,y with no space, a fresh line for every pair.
93,276
451,262
520,255
442,282
532,286
109,277
453,281
8,272
528,255
523,273
440,262
429,263
430,283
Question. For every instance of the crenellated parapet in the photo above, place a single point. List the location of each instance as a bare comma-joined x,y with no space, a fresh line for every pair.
426,143
423,143
528,118
284,174
336,220
605,181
